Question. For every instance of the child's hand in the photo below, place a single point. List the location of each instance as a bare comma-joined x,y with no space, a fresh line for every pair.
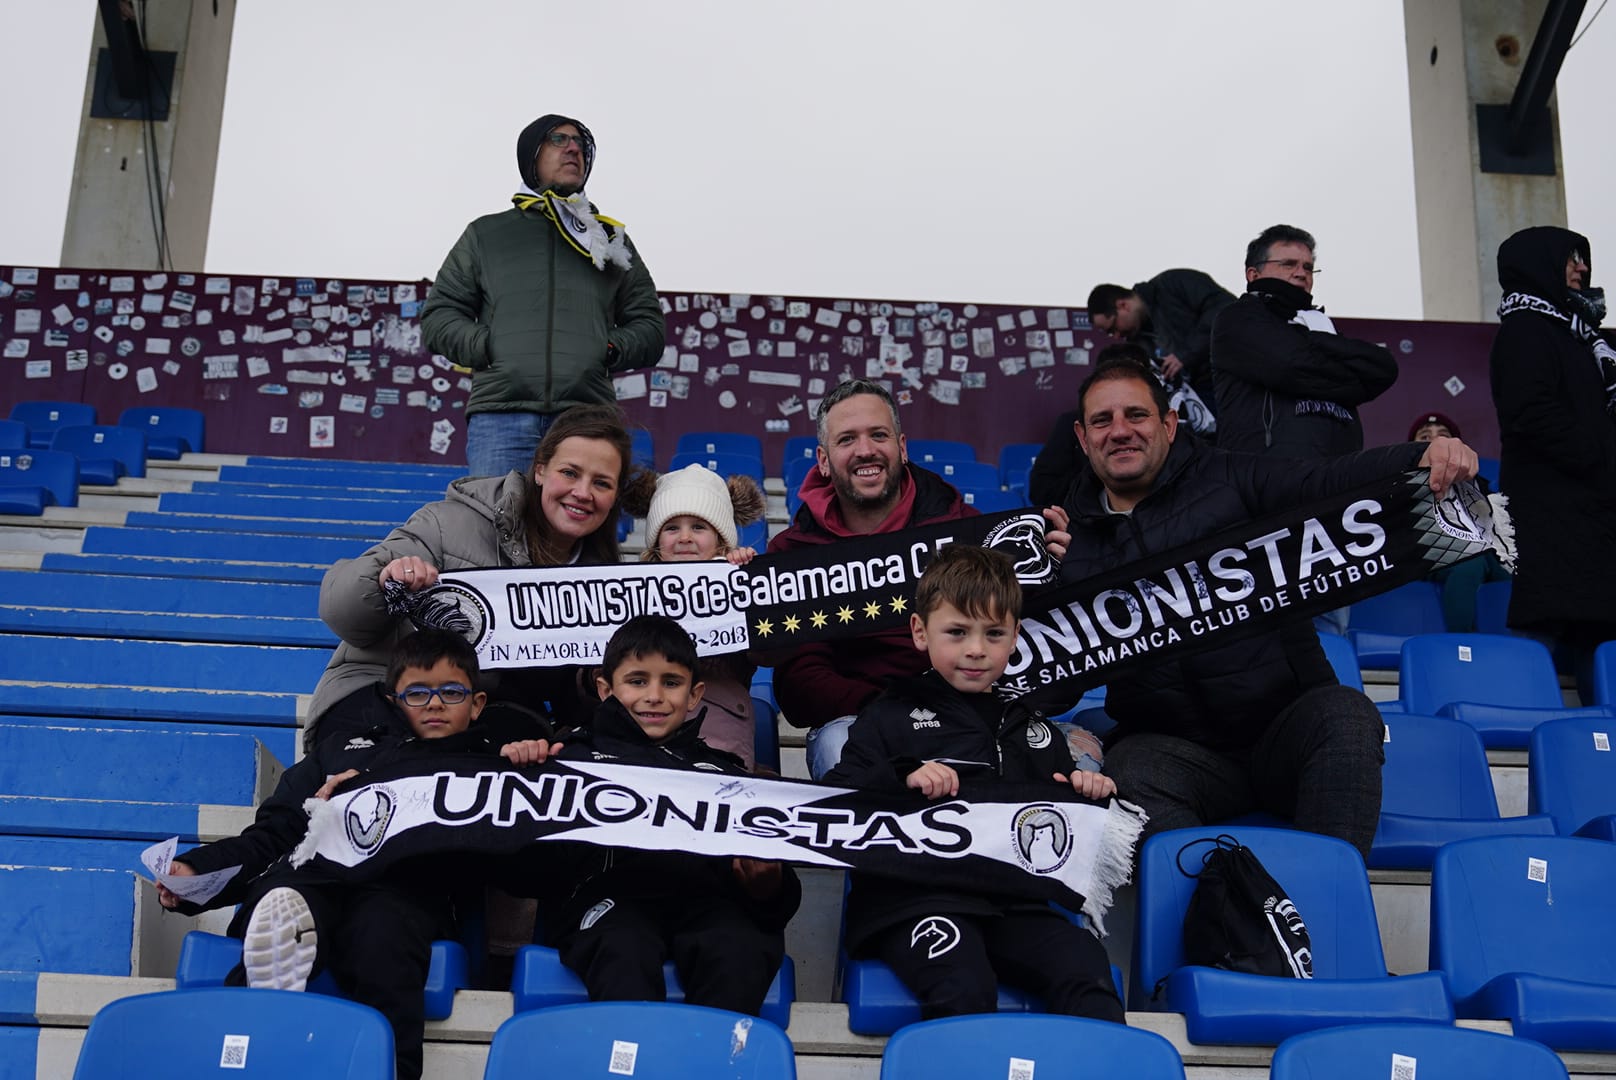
741,556
333,782
934,780
416,573
1090,785
759,877
165,895
530,751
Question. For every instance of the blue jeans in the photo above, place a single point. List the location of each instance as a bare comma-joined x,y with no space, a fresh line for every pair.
498,442
825,744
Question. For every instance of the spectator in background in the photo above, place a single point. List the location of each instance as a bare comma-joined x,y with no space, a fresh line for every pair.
1170,317
1288,384
1459,581
1554,386
543,302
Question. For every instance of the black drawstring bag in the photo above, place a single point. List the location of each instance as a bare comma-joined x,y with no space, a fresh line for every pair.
1239,917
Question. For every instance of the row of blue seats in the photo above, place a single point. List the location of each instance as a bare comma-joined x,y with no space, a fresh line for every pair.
309,1035
167,432
1502,946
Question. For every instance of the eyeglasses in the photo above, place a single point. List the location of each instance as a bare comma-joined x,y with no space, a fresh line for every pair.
419,697
561,138
1290,265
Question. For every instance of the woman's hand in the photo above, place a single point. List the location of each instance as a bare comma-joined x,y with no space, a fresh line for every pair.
416,573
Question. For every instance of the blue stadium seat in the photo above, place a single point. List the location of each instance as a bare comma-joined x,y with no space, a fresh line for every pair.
1487,469
1437,788
31,480
541,981
724,464
1015,462
1492,607
44,417
1571,775
1604,675
978,475
1049,1046
13,435
170,432
1343,658
763,686
707,443
991,500
104,453
1515,929
799,447
1379,625
796,470
754,536
766,732
1501,686
206,960
216,500
1355,1051
237,1032
1330,887
367,531
213,569
644,447
929,452
645,1040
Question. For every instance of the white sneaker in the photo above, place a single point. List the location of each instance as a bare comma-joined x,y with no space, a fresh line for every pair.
278,951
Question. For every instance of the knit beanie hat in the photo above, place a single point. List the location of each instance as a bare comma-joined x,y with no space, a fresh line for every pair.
532,137
697,491
1432,418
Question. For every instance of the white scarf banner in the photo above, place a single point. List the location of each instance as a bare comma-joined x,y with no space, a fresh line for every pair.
1039,841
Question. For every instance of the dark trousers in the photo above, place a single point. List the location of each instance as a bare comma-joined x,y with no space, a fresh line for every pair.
377,942
1318,764
954,963
724,959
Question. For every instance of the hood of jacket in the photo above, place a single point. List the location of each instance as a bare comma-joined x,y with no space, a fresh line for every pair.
500,500
1534,261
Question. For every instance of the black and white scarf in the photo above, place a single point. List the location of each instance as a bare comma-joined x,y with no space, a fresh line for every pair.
1588,334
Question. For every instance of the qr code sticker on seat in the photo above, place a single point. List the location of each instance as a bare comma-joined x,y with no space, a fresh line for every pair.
623,1055
233,1055
1402,1067
1021,1068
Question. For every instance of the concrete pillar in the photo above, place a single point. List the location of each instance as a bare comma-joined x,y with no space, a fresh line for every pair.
109,213
1462,53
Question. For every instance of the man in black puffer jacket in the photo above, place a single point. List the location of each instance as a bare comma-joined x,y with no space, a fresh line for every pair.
1288,385
1261,723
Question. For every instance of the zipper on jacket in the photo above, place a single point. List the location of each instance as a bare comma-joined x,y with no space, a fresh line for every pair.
549,334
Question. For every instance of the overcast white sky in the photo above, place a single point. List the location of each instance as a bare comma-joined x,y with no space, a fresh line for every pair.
915,149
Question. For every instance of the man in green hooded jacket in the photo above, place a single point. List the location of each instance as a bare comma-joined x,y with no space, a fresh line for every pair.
544,302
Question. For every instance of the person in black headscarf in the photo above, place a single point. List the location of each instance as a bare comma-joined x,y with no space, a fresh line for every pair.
543,302
1554,386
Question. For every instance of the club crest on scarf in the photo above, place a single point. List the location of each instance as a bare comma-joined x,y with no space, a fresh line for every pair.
1043,838
367,816
937,933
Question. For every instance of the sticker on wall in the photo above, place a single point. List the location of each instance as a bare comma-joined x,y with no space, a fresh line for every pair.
322,432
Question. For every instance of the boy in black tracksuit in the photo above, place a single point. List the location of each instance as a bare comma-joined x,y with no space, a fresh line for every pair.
376,937
925,733
721,920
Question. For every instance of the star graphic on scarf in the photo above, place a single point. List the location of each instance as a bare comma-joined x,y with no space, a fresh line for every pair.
872,610
845,614
764,628
899,604
792,624
818,619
